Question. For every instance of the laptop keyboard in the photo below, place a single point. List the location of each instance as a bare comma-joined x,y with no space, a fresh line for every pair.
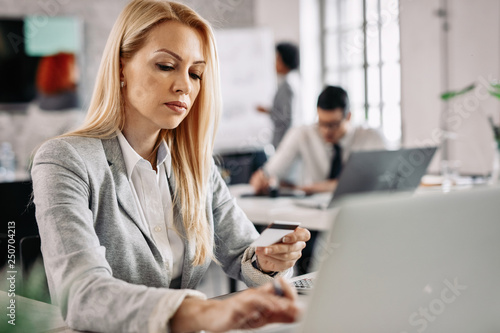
304,285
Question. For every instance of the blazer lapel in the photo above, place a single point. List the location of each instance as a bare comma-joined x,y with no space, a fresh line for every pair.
122,186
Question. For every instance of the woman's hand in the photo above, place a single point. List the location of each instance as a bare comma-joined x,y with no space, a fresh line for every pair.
248,309
283,255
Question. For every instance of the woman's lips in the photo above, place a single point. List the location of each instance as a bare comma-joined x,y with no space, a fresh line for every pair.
179,107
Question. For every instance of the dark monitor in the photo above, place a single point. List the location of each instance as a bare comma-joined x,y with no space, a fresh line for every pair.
17,83
24,41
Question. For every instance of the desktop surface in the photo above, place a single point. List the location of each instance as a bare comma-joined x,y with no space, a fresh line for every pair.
264,210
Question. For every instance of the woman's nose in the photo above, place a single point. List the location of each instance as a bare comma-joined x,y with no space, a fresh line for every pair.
182,83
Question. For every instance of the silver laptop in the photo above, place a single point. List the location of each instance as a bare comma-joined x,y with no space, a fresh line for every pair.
378,170
428,263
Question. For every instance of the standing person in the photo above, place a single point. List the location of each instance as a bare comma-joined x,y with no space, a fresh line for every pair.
286,103
131,208
321,148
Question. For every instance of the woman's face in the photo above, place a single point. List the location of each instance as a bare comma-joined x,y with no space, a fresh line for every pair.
162,80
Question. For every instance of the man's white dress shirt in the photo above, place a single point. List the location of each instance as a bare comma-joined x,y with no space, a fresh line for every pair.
305,146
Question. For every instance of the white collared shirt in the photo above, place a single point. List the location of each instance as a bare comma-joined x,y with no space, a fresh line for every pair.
305,146
152,195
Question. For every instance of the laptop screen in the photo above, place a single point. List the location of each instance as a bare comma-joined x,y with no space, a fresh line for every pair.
428,263
384,170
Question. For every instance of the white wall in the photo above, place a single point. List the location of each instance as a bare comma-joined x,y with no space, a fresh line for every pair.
310,53
474,45
282,16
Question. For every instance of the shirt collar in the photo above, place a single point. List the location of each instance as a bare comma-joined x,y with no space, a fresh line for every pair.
163,156
132,158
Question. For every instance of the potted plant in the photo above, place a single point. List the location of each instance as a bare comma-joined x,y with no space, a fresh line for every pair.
493,90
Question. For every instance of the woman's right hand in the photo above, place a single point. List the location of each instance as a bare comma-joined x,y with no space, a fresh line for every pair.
248,309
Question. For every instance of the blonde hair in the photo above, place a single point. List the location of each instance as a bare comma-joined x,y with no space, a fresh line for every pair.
193,138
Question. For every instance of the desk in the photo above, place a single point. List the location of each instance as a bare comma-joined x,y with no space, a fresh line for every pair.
33,316
263,210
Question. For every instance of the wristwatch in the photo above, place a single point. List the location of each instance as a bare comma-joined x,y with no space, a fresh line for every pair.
255,264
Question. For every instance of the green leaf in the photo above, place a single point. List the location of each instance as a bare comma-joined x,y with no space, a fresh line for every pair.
467,89
450,94
495,94
495,85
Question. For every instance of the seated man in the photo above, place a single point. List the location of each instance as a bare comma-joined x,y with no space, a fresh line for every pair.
320,148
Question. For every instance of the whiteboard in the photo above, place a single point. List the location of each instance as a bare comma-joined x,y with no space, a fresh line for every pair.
248,79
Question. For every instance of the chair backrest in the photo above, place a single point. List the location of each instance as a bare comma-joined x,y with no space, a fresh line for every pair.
237,168
16,206
17,213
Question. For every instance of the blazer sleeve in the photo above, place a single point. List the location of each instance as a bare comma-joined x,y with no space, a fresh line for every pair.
234,232
80,278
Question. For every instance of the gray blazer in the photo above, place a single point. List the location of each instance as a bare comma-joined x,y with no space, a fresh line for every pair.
103,269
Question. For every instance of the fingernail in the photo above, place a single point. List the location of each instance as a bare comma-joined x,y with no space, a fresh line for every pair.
268,250
285,239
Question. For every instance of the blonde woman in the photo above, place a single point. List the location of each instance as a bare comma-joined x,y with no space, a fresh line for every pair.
130,207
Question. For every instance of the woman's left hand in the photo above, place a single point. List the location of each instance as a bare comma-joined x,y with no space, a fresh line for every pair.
283,255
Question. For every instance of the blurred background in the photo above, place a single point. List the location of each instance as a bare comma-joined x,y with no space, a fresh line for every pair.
395,59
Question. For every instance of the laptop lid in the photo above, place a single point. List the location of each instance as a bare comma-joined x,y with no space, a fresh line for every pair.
383,170
427,263
377,170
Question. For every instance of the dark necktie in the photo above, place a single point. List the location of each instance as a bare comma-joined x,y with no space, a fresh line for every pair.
336,163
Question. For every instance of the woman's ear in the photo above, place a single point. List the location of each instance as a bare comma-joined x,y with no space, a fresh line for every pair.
122,77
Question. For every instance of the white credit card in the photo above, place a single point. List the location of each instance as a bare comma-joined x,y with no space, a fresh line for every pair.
274,233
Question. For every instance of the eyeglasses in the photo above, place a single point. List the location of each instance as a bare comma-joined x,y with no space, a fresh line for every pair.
330,125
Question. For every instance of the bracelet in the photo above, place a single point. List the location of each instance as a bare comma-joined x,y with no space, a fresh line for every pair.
256,265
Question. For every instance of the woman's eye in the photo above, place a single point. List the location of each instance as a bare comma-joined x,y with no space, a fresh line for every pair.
195,76
165,68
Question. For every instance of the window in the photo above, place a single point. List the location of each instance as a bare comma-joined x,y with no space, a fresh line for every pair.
361,54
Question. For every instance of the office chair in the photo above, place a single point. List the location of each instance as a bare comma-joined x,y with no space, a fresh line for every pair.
16,206
238,167
3,249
